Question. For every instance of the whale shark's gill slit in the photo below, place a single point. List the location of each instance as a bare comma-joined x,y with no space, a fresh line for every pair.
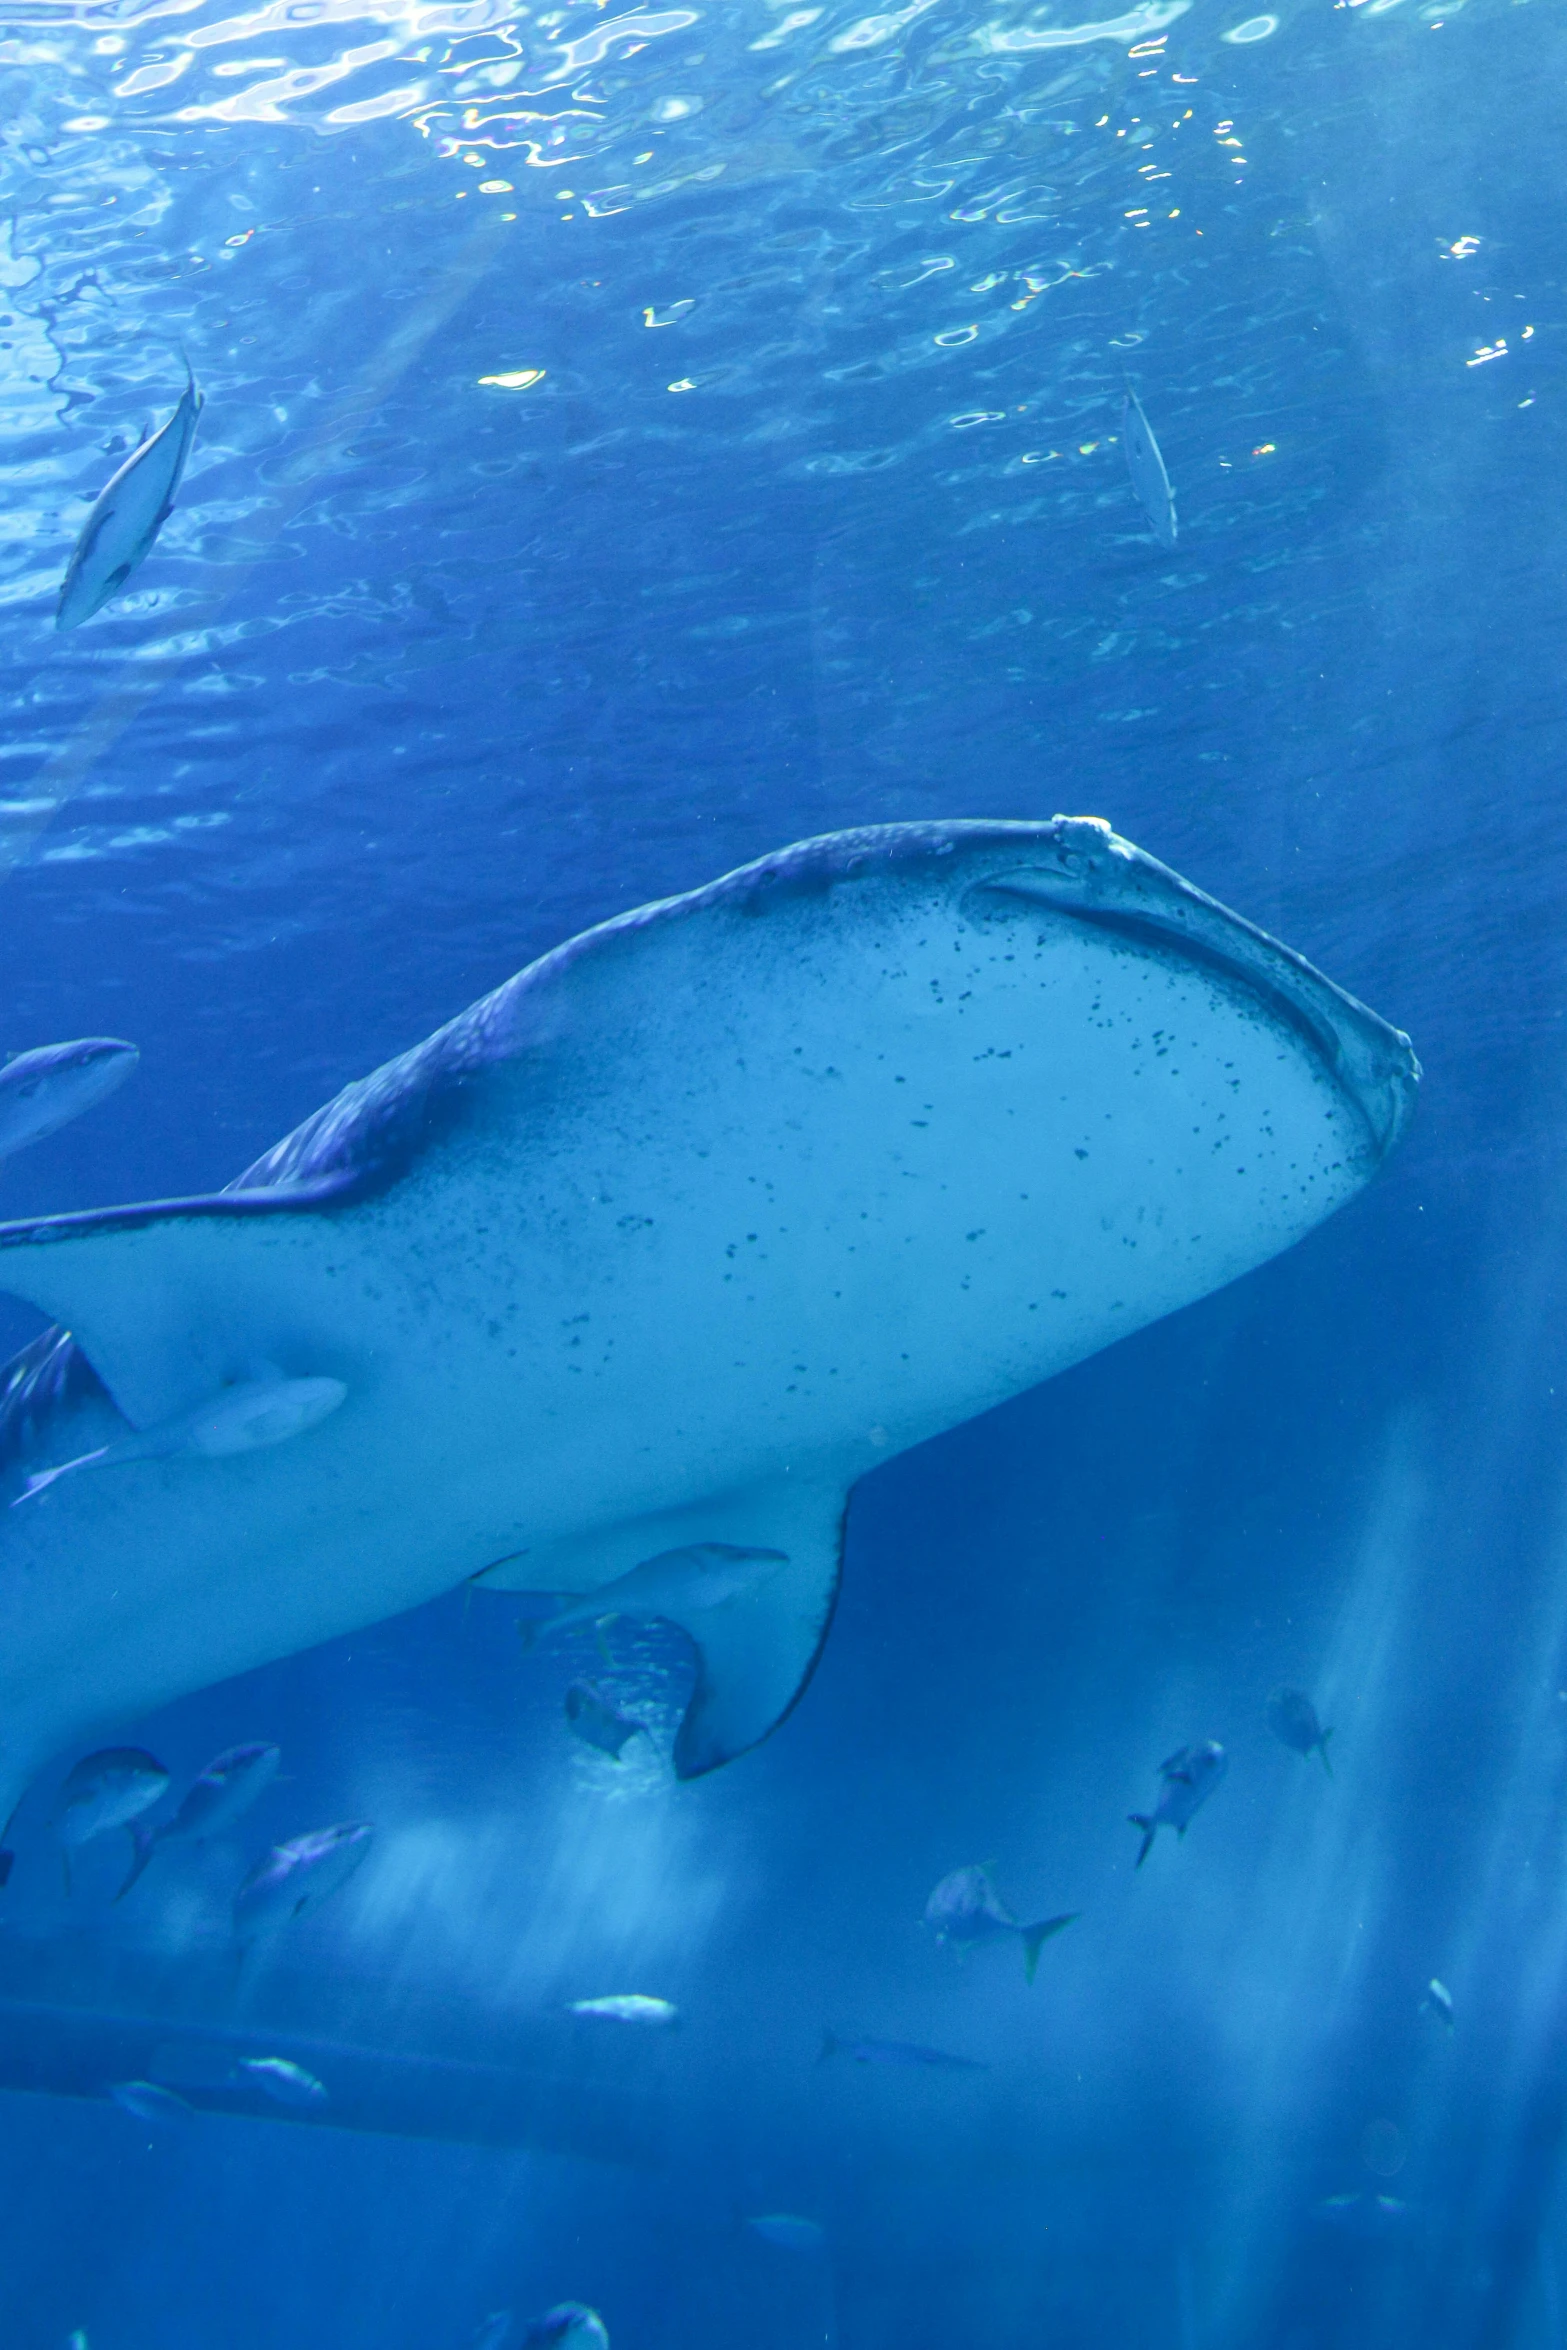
1143,930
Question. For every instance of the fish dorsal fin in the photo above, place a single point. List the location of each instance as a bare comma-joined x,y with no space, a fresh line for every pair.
173,1302
756,1651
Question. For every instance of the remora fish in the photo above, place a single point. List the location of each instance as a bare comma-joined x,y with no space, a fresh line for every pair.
285,2083
965,1910
568,2326
222,1794
45,1089
670,1587
905,2053
598,1723
128,514
1017,1089
249,1416
1293,1720
1190,1777
628,2007
295,1877
1146,467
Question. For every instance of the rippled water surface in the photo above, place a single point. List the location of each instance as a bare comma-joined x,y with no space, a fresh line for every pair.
636,438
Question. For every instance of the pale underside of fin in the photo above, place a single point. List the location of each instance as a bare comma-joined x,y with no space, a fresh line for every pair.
756,1651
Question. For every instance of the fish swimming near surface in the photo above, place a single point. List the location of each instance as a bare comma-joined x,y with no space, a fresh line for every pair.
43,1090
276,2077
222,1794
1293,1720
965,1910
598,1723
249,1416
1146,467
296,1877
906,2054
145,2101
1190,1777
570,2325
628,2007
790,2232
782,1177
128,514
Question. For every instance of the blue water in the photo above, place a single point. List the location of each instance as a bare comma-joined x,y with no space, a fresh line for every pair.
805,507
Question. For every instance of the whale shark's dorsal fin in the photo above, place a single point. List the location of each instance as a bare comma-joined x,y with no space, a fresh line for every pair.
756,1651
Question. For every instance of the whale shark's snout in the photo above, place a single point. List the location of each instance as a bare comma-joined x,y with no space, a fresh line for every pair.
1090,875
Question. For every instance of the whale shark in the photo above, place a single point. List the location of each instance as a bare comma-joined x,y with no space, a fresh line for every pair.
649,1256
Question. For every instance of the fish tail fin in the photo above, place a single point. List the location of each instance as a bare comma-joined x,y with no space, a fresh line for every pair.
829,2047
44,1478
1140,1819
1322,1749
1035,1937
143,1841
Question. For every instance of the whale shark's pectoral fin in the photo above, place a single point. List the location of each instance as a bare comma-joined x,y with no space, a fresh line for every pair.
755,1651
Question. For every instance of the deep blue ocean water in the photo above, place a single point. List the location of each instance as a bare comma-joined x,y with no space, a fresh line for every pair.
805,507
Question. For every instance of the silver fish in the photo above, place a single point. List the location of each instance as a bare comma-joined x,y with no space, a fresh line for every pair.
1438,2001
146,2102
570,2325
105,1791
128,514
628,2007
596,1722
789,2232
225,1790
965,1910
1146,467
700,1575
906,2053
43,1090
1293,1720
285,2083
296,1877
1190,1777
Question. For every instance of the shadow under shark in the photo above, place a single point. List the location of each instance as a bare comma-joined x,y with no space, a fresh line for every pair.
652,1253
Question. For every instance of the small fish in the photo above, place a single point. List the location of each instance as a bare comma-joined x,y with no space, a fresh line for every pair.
1438,2001
494,2333
285,2083
1293,1720
966,1909
596,1722
1190,1777
568,2326
246,1417
148,2103
701,1575
128,514
789,2232
225,1791
106,1790
1146,467
628,2007
1369,2216
896,2052
45,1089
296,1877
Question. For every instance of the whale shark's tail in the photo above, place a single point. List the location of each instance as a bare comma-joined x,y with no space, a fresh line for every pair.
1035,1938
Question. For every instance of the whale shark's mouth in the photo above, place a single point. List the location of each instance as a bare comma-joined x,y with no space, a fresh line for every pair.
1104,884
